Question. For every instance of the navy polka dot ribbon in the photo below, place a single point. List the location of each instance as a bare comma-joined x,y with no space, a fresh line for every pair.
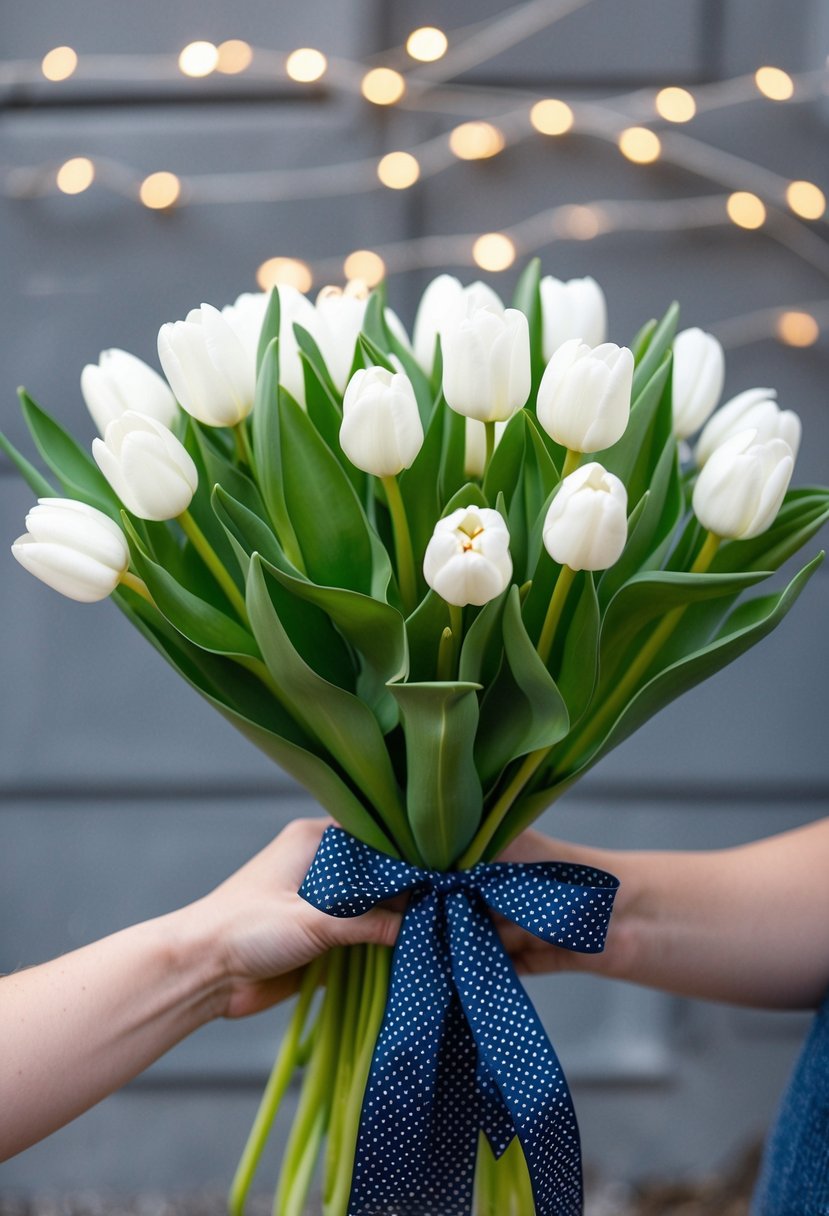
461,1048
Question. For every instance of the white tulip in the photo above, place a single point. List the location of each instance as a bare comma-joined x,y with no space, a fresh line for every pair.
147,467
584,395
467,560
210,362
755,408
474,454
120,381
338,319
444,301
381,430
586,525
73,548
486,364
575,309
698,375
742,486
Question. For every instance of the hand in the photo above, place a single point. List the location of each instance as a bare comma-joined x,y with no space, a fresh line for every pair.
266,933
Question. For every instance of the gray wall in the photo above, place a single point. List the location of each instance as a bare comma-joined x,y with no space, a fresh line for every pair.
122,794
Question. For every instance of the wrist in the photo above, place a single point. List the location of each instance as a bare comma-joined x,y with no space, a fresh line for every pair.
194,948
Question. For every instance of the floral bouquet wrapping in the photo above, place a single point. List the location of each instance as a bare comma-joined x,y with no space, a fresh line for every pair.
436,580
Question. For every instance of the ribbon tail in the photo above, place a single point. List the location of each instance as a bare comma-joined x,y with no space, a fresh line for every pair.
494,1119
518,1056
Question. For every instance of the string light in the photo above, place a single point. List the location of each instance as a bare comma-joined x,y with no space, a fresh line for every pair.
75,175
579,222
285,272
59,63
427,44
675,104
382,86
551,116
160,190
476,141
494,251
365,266
306,64
398,170
198,59
640,145
745,209
234,56
806,200
774,83
797,329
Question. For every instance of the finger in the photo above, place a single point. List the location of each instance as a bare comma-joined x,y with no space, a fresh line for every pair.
379,927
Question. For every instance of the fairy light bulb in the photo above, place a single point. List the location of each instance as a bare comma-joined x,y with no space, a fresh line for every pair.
774,83
427,44
493,251
75,175
806,200
198,59
382,86
160,190
306,64
398,170
551,116
639,145
675,104
366,266
59,63
797,329
234,56
746,210
476,141
578,222
285,272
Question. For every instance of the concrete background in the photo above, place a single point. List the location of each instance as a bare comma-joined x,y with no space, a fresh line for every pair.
121,794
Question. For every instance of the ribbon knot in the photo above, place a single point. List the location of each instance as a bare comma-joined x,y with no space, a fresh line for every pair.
461,1048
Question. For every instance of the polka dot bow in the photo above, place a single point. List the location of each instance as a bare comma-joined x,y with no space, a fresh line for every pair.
461,1048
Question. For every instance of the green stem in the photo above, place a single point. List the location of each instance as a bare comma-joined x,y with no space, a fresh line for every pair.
278,1082
492,822
137,585
213,563
571,462
243,448
314,1106
554,609
657,639
485,1183
375,994
406,576
489,431
456,625
354,980
446,651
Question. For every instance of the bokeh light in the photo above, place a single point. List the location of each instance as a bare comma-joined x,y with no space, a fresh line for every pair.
75,175
551,116
398,170
806,200
797,329
285,272
383,86
59,63
234,56
160,190
306,64
494,251
476,141
675,104
640,145
745,209
427,44
198,59
365,265
774,83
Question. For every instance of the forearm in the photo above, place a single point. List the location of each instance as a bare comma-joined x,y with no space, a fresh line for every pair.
748,925
75,1029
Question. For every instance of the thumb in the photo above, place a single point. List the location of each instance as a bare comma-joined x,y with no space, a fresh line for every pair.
378,927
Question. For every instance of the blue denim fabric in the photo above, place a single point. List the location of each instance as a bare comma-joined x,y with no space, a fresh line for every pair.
794,1176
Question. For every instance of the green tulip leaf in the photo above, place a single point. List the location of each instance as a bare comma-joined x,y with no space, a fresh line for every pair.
635,457
33,478
443,793
328,519
270,327
504,473
803,513
653,348
336,718
522,709
642,340
575,653
74,468
482,644
527,298
452,473
418,484
268,449
308,347
423,631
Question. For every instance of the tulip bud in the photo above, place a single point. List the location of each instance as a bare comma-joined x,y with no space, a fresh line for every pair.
381,430
147,467
742,486
467,561
586,525
338,319
210,367
575,309
120,381
698,375
443,301
474,455
584,395
486,364
73,548
757,409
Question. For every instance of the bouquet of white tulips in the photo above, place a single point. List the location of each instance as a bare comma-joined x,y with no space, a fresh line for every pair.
435,579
